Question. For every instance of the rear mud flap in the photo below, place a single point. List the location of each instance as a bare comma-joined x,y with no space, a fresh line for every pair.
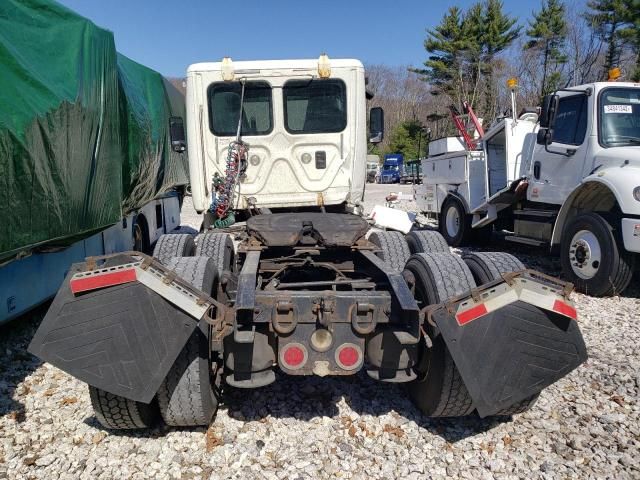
511,353
122,339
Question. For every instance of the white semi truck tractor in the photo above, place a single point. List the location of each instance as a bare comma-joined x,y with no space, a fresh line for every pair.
299,285
567,179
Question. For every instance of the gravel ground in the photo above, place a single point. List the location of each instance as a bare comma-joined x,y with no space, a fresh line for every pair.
585,426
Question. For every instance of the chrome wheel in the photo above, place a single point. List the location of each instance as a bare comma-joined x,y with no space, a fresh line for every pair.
585,254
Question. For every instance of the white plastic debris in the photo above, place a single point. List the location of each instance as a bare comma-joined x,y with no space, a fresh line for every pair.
390,218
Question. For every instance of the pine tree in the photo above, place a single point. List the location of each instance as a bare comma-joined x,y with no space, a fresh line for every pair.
612,21
463,48
548,33
498,32
444,66
631,34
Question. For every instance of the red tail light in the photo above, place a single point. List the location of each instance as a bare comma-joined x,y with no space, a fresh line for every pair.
349,356
293,356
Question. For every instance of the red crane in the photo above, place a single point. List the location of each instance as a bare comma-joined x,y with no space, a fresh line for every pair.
463,128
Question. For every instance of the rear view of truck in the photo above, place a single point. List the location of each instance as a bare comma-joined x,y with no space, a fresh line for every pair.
302,287
307,294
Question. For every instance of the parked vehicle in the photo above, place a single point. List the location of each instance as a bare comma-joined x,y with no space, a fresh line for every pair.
84,151
568,180
412,172
306,289
392,168
373,168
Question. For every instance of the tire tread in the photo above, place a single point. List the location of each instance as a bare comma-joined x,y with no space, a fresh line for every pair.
119,413
394,249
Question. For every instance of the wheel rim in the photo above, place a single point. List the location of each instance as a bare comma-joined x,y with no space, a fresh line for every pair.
585,254
452,221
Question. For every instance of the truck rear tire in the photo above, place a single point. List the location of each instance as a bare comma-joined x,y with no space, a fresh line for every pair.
218,246
454,223
393,248
188,396
426,241
592,259
439,390
118,413
487,267
171,245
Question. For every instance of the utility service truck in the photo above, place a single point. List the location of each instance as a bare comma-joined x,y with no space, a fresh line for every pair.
567,179
299,284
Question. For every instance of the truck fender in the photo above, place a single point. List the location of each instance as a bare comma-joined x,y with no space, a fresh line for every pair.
599,191
452,193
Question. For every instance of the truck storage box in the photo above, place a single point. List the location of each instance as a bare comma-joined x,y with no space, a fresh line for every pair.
446,145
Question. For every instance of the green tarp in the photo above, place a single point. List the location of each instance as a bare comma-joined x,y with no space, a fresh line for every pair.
83,130
150,166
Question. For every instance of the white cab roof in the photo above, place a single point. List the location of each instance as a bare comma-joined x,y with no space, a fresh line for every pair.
305,64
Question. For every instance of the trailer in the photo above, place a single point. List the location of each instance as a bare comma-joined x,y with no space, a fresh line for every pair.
307,289
566,179
84,149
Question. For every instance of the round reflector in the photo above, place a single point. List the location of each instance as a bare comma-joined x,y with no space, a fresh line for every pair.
293,356
348,356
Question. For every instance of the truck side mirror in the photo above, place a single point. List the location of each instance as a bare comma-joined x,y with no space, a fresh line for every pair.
376,125
549,111
176,133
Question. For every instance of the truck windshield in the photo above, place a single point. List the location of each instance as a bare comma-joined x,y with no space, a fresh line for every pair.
224,108
390,167
620,117
315,106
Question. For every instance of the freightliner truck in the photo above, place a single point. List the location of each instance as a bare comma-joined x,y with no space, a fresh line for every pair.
84,151
567,179
299,284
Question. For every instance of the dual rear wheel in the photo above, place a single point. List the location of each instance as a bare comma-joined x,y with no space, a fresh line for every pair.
188,396
436,275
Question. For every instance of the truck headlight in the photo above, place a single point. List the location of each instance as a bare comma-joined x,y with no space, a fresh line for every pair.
636,193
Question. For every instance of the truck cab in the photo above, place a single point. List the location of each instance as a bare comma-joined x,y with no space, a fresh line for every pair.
303,121
392,168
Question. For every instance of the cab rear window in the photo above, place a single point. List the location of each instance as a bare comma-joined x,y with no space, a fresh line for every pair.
315,106
224,108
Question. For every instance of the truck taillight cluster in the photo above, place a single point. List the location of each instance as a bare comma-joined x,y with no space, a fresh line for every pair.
294,356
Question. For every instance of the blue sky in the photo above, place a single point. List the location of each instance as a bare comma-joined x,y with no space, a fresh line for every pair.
170,35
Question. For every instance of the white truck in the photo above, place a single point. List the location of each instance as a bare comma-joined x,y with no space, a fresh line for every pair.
301,287
567,179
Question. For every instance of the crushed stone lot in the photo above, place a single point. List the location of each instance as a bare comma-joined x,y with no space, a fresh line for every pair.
587,425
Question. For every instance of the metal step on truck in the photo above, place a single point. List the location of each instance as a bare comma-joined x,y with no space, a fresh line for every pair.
299,284
565,178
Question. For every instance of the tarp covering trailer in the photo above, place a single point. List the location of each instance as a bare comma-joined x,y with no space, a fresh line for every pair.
83,130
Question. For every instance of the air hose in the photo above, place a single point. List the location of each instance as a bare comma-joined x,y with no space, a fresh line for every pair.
224,187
